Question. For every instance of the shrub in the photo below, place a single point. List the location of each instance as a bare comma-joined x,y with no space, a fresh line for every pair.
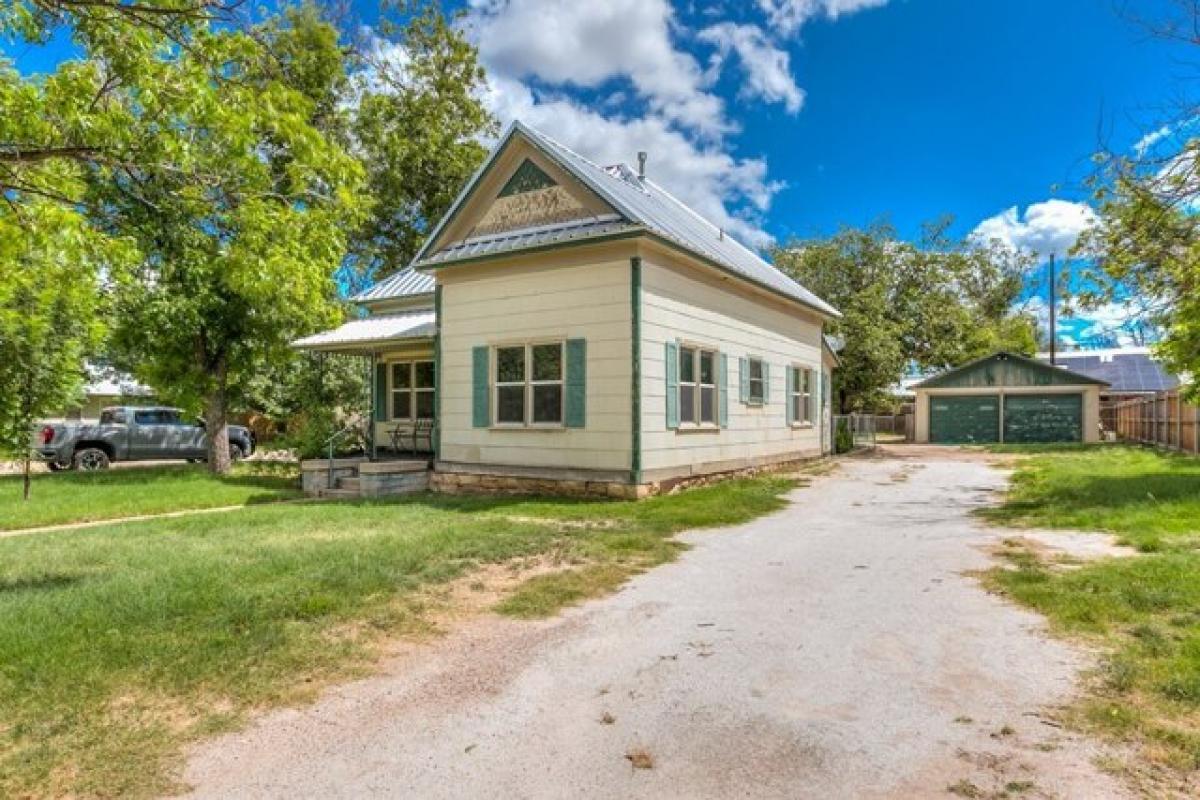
843,440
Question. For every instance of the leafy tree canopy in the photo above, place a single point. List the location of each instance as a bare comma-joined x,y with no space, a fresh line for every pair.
934,304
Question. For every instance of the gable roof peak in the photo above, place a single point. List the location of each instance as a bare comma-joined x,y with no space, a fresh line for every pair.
645,208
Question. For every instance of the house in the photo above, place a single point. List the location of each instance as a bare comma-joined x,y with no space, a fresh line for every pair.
106,387
575,328
1007,397
1130,372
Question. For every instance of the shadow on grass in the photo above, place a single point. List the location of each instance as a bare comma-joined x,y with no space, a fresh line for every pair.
268,475
32,583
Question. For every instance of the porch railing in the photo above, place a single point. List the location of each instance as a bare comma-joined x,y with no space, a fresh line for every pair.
329,444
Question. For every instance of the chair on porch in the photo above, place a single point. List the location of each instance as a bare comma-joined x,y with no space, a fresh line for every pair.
411,438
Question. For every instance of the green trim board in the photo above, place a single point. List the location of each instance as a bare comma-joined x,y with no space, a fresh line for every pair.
1006,369
635,315
437,372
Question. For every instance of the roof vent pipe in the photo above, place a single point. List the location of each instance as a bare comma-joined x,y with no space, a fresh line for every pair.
642,165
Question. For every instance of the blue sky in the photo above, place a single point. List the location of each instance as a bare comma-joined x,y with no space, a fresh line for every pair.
781,118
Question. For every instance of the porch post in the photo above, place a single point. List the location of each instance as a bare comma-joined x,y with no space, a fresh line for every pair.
374,411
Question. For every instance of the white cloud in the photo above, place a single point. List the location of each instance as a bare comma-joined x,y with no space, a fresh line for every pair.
788,16
574,44
1049,227
767,68
1150,139
703,175
645,90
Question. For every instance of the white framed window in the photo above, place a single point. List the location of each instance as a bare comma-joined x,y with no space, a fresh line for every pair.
697,385
528,385
800,395
412,390
757,393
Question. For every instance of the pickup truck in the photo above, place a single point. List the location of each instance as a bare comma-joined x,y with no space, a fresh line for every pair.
131,433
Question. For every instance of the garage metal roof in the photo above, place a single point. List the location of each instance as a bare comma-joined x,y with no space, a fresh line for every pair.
1053,375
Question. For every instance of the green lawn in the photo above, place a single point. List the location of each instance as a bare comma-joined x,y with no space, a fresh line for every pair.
1142,612
119,644
1149,498
88,496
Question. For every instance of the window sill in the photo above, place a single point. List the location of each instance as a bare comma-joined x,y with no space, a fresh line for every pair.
685,427
516,426
803,425
755,403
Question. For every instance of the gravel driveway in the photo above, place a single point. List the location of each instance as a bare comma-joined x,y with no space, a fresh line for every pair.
833,650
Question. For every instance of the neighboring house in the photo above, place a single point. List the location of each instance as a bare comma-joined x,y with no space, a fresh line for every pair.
1131,373
1007,397
106,387
576,324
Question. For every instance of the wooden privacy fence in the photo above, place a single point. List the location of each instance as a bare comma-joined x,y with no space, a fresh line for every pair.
1162,419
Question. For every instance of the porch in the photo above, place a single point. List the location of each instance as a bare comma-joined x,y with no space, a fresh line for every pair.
360,477
399,427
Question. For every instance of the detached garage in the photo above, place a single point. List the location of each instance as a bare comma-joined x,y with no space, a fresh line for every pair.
1007,397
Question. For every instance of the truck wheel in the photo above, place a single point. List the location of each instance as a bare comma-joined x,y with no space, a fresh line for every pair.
91,459
236,453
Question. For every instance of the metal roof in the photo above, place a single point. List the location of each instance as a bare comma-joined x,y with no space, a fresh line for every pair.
934,381
405,283
382,328
641,204
1125,370
104,381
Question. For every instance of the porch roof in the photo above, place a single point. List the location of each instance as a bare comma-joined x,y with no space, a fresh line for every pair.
366,334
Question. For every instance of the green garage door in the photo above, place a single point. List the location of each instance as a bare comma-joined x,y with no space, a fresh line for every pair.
1043,418
964,420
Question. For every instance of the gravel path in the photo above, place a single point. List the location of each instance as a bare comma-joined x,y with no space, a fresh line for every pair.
833,650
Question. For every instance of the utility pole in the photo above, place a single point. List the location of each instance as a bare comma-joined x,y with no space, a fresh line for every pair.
1053,303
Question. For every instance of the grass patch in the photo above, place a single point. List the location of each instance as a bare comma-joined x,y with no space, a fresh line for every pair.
1150,499
63,497
121,643
1143,613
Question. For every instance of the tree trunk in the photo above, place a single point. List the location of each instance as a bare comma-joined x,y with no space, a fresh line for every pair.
216,426
25,494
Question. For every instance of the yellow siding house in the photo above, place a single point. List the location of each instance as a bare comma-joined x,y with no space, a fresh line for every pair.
572,327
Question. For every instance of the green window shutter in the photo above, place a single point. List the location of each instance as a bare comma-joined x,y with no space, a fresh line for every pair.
744,379
787,395
576,401
766,383
381,392
672,375
815,402
480,411
723,390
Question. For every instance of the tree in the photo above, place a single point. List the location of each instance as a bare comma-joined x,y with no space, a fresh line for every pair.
1147,243
417,126
932,304
239,207
50,317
